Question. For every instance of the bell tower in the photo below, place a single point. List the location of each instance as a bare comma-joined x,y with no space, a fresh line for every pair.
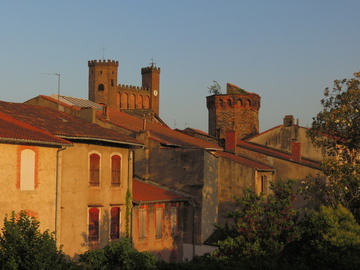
151,80
103,81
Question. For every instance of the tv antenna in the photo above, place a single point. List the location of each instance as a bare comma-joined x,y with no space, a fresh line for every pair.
103,53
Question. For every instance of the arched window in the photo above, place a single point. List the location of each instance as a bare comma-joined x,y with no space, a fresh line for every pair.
115,170
112,82
222,103
146,102
124,101
101,87
139,102
248,103
94,170
27,170
115,223
229,103
93,224
239,101
132,101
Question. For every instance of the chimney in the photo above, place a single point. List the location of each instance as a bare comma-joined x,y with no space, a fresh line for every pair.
289,121
144,123
296,151
230,140
104,111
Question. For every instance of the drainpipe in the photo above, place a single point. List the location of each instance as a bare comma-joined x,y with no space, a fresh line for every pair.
128,209
192,202
57,193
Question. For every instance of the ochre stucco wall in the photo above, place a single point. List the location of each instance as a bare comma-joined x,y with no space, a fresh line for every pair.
40,202
77,196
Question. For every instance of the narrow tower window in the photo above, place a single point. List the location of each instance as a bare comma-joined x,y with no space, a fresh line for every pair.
101,87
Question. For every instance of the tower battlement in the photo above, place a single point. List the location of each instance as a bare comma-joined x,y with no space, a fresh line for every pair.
107,62
237,110
150,69
125,86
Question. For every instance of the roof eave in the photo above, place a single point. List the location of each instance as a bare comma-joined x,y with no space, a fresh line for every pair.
99,139
160,201
13,140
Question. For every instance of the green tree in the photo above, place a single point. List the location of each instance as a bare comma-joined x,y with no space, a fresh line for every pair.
23,246
215,89
336,131
117,255
261,227
330,239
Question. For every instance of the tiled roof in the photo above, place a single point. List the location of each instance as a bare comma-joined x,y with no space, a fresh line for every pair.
158,132
12,130
62,124
275,153
145,192
245,161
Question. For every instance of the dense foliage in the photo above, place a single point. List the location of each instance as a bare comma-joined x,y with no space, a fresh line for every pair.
330,239
23,246
336,131
261,227
117,255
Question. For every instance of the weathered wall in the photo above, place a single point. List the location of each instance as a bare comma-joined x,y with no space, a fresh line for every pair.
175,168
233,179
210,196
281,137
169,246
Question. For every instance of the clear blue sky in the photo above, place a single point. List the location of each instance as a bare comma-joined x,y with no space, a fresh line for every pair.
286,51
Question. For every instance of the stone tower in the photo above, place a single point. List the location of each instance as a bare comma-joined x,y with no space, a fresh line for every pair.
237,110
151,80
103,81
104,88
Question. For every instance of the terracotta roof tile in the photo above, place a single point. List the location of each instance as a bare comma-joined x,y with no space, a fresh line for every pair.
16,131
145,192
62,124
157,131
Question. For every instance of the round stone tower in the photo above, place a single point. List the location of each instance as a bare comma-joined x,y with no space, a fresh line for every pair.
237,110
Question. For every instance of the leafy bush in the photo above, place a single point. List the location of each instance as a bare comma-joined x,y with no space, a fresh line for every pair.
118,255
260,227
330,239
23,246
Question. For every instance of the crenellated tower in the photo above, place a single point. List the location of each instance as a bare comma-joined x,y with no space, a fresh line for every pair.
237,110
104,88
103,81
151,80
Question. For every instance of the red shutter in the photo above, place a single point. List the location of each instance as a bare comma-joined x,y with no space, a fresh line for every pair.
94,224
115,223
115,170
94,170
